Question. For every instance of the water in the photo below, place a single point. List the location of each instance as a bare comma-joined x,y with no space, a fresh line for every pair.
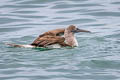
96,58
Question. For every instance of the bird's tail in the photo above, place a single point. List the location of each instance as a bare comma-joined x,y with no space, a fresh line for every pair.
20,45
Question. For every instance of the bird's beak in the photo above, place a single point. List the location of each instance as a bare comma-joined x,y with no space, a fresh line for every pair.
80,30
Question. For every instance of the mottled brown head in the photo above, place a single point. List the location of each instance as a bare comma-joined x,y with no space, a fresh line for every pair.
74,29
71,28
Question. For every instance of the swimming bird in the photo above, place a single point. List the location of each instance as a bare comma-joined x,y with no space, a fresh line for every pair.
53,38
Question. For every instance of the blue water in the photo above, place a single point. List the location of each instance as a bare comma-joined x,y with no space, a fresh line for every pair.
96,58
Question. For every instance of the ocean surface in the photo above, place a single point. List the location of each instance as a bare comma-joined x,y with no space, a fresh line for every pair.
96,58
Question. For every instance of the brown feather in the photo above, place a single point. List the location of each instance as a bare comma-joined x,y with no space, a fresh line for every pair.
50,37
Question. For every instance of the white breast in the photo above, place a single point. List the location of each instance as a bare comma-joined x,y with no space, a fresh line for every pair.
75,42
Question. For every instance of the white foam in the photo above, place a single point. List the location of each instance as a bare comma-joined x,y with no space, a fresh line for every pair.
54,46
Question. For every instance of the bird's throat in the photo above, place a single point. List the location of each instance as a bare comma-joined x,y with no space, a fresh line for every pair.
70,39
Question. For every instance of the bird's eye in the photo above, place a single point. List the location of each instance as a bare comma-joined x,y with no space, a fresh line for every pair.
73,31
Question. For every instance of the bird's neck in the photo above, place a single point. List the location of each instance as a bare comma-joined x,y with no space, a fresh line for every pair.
70,39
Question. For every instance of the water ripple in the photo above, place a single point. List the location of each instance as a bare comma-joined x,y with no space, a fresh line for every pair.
96,57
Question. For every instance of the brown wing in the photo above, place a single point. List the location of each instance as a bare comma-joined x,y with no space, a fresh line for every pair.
56,32
48,40
50,37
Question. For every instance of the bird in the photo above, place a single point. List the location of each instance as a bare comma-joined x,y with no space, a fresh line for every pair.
57,38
